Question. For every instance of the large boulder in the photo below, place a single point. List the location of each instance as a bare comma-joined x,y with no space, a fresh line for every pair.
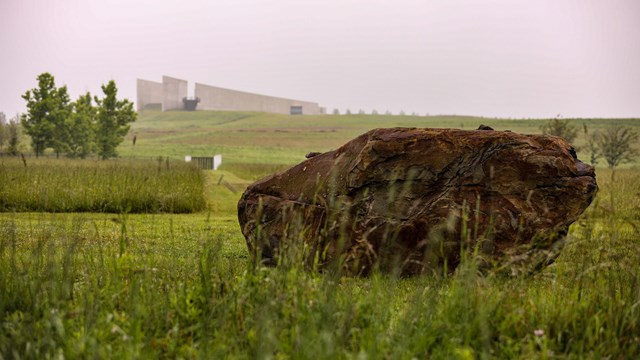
410,201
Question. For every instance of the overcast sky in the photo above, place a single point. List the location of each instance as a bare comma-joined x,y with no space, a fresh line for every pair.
505,58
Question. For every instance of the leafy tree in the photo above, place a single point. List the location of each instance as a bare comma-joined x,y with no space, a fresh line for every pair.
561,128
47,109
336,112
592,148
82,127
615,145
61,132
14,136
113,119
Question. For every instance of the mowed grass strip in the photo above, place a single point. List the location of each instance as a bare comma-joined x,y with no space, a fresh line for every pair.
115,186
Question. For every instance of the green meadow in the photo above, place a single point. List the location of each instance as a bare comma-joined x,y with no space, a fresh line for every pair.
117,186
256,144
149,278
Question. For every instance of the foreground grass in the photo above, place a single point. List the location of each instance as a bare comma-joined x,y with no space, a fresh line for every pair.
115,186
169,286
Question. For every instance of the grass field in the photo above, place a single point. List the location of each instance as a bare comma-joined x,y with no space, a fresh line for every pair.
117,186
100,285
256,143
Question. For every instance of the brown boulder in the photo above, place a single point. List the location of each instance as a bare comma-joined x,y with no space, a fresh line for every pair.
416,200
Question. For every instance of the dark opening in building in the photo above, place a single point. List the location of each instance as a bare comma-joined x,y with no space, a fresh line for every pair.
190,104
296,110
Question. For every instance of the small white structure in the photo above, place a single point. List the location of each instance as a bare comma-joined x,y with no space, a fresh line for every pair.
205,163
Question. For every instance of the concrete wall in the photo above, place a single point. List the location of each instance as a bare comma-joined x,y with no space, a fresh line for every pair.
216,98
171,91
149,92
174,90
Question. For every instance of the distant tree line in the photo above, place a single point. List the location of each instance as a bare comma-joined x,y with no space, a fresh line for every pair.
89,125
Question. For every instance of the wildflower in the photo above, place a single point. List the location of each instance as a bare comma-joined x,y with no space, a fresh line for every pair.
538,332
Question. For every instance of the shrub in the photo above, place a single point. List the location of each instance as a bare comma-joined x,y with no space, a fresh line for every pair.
560,128
615,145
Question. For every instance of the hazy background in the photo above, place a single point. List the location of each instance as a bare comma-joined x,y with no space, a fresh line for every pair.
505,58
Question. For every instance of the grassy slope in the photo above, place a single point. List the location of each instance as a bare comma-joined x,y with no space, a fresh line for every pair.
258,138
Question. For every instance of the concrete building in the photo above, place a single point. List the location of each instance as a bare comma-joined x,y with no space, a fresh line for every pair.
174,91
171,94
149,95
166,95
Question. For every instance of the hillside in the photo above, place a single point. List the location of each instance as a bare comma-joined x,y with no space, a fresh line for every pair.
253,144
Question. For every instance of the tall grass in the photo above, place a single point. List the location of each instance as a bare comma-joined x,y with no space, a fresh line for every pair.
177,286
116,186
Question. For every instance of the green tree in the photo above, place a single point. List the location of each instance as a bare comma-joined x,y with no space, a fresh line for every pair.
592,148
82,127
14,136
561,128
59,141
113,120
616,145
47,109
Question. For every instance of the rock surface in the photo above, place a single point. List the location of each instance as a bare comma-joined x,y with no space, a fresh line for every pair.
410,201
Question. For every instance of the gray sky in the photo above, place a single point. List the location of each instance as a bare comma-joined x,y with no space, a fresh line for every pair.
505,58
